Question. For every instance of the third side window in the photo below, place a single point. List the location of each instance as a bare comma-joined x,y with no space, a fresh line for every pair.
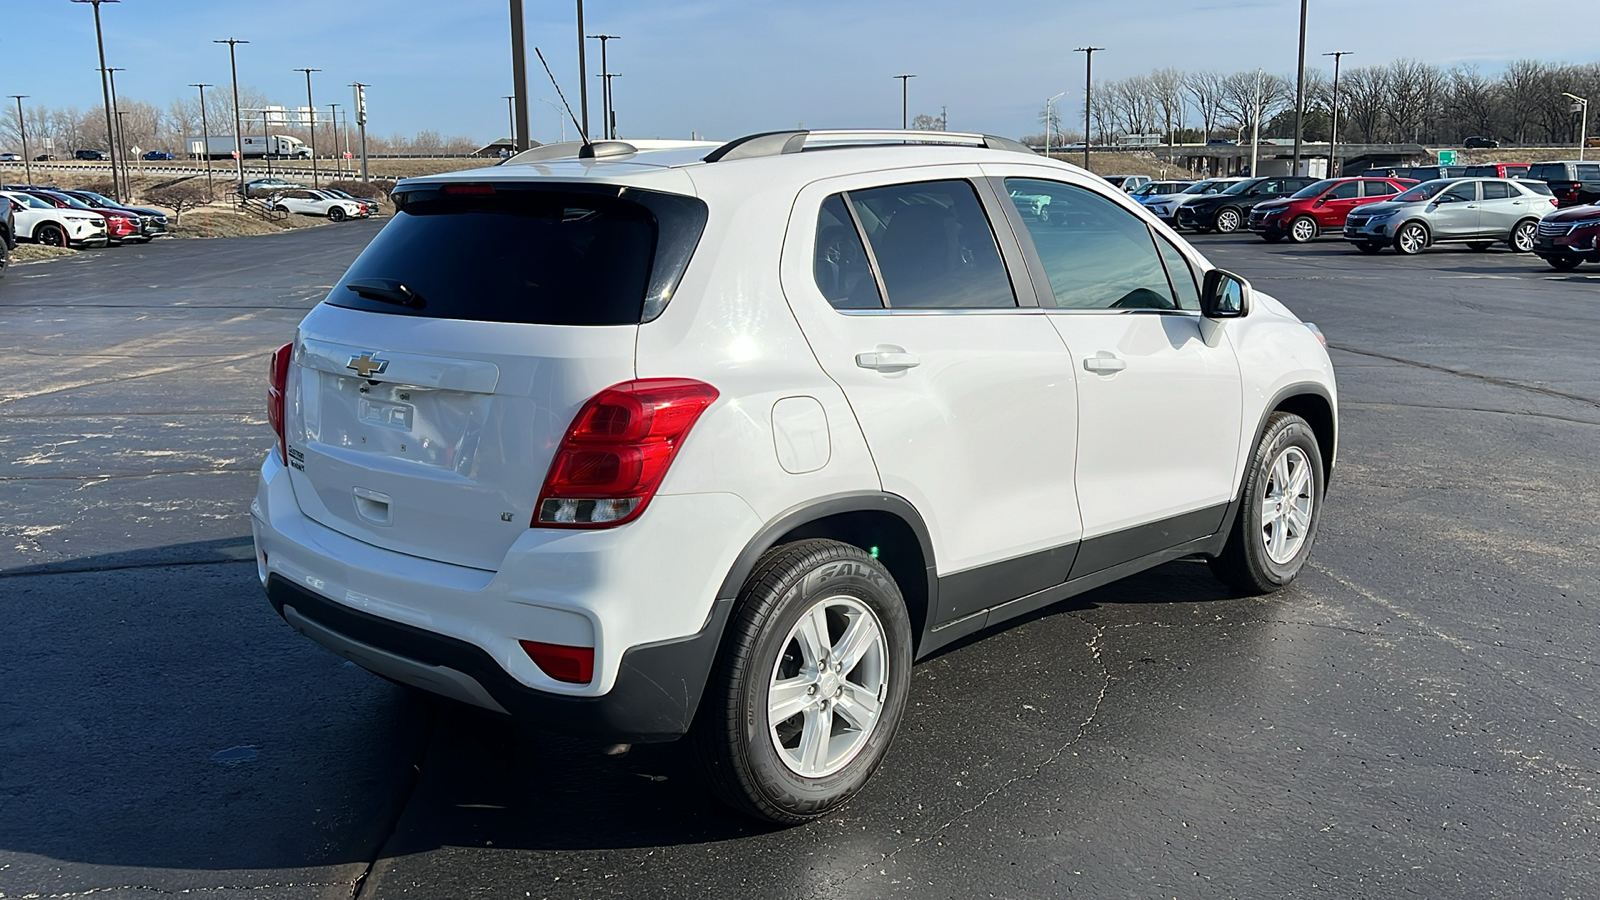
1096,254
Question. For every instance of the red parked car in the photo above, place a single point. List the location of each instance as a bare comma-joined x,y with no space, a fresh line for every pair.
120,224
1320,207
1568,238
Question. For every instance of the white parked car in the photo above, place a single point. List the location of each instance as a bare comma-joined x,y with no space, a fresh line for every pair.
1165,206
639,441
43,223
10,157
308,202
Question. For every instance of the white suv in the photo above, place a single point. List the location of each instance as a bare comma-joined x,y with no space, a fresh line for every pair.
645,440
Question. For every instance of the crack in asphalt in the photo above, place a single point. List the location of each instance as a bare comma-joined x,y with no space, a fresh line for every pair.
1094,646
402,800
153,889
1488,379
160,371
36,572
108,476
1476,409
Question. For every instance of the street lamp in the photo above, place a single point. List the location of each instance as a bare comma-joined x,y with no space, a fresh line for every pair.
311,110
114,138
1047,120
511,116
361,124
22,126
338,161
1580,106
238,127
1299,94
560,118
1088,96
105,91
608,121
904,80
205,134
1333,133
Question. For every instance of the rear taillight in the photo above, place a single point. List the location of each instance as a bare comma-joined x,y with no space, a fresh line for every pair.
617,452
277,386
574,665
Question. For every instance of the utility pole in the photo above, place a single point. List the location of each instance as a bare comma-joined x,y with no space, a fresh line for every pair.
904,80
1299,94
519,87
1333,132
511,117
127,173
205,133
105,91
583,75
116,117
944,117
1255,131
1048,118
311,110
338,161
22,126
608,121
361,125
561,117
238,127
1088,95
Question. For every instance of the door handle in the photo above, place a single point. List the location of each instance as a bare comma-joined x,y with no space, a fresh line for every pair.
1104,363
887,359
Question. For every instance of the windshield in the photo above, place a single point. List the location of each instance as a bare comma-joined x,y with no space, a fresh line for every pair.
73,202
1313,190
99,199
1424,191
1243,186
29,201
1201,187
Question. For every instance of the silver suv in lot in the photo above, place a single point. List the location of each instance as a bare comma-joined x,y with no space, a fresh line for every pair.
661,439
1478,212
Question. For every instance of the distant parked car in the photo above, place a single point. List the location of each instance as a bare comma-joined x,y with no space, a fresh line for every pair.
152,222
10,157
1228,211
45,157
268,186
1320,208
1498,170
42,222
121,225
157,154
1129,182
370,203
1430,173
1566,237
1479,142
1158,188
307,202
1573,182
1165,207
1478,212
91,155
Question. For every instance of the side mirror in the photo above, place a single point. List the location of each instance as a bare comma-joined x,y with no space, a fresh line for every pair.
1321,200
1225,296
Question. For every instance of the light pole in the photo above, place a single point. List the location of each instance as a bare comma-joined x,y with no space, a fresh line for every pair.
1333,132
361,125
904,80
1582,109
22,126
1048,120
608,121
511,116
338,161
105,91
1088,95
205,133
1299,94
114,139
311,110
238,127
1255,131
560,117
583,74
519,82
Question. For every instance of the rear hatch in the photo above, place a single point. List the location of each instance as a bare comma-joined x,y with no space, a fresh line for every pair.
431,388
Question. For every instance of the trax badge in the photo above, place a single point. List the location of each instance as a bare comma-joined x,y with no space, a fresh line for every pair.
367,365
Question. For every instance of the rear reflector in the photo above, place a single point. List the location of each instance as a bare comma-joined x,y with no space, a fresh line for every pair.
277,386
574,665
617,451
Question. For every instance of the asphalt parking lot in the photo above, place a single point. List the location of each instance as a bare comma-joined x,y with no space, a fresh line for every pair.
1416,716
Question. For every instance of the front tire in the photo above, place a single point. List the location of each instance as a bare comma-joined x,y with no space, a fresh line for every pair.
1228,220
50,235
1564,263
1303,230
336,214
810,685
1411,239
1369,246
1278,515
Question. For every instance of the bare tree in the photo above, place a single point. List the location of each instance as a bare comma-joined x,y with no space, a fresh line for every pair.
1471,102
1205,93
1364,95
1166,94
1413,88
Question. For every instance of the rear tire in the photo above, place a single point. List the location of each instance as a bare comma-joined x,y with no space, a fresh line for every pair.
5,256
797,614
1278,514
1480,246
1564,263
1523,236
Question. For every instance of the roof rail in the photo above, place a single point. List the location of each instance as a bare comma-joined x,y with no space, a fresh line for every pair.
778,143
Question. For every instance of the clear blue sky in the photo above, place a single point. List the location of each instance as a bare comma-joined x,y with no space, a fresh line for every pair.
726,68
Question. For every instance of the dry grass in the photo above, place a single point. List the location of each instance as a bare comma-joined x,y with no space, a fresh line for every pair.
34,252
222,221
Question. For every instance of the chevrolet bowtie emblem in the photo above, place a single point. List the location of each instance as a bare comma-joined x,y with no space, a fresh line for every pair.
367,365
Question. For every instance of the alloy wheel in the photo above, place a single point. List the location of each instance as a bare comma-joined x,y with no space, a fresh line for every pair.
52,236
1286,505
827,688
1228,221
1522,238
1411,239
1302,230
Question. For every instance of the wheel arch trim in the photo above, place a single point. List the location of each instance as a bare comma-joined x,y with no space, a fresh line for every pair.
1328,443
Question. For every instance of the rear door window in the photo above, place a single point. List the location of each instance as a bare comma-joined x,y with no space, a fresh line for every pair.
1378,189
1588,172
1496,190
526,254
933,246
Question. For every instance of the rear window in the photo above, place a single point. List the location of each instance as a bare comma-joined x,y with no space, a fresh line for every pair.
1548,172
530,254
1538,187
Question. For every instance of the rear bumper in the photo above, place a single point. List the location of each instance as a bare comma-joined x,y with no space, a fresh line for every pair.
643,595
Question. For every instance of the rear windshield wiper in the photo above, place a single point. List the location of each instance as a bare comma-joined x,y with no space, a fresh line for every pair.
387,290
